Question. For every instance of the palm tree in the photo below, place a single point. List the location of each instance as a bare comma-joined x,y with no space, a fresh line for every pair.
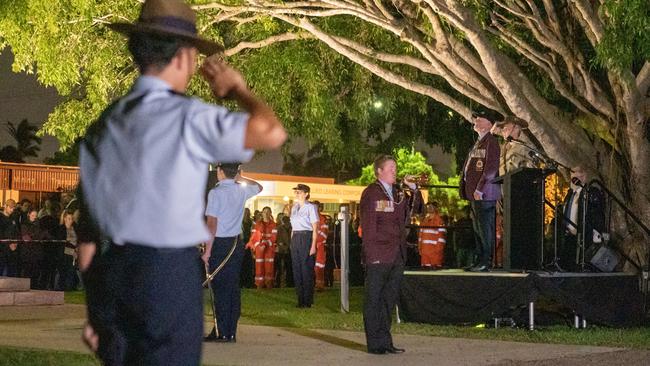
28,144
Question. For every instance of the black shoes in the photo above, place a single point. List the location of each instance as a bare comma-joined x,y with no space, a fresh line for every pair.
212,337
226,339
377,351
393,349
385,350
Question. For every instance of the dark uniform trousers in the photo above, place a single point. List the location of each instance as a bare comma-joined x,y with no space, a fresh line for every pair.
484,223
146,305
302,265
381,295
225,285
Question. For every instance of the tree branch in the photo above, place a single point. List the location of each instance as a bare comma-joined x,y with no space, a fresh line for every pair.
548,33
383,73
266,42
595,29
643,79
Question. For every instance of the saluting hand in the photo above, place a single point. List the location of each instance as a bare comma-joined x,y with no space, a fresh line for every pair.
224,80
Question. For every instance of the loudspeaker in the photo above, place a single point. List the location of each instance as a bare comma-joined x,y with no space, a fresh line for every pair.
523,218
605,259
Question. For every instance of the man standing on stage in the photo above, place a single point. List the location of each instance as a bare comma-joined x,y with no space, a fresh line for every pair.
143,168
479,170
384,211
224,214
576,220
513,155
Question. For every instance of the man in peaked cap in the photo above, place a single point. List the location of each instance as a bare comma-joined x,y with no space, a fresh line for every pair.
513,155
144,165
476,186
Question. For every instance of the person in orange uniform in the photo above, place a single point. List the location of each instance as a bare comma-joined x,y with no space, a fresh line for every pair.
431,241
263,245
321,256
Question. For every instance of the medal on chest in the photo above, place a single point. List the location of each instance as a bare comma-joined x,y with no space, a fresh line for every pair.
384,206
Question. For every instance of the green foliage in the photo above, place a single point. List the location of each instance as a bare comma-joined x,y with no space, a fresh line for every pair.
411,162
65,43
318,94
627,35
69,157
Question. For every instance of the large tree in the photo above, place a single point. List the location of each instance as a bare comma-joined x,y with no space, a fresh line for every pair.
578,70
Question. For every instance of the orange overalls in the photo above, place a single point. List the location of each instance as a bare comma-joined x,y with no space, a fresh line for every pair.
319,267
263,244
431,242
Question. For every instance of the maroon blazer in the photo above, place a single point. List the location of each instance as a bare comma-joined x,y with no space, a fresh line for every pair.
383,224
480,169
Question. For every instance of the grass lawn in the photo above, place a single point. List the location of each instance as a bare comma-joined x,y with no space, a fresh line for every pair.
27,356
277,308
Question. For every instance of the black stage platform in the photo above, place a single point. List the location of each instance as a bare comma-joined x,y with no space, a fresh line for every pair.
457,297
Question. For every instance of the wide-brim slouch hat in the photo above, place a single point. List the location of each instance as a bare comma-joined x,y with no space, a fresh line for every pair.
171,18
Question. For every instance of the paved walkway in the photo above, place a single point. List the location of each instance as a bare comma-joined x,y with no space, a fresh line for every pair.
59,327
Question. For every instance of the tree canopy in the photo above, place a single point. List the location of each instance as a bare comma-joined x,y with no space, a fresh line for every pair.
345,113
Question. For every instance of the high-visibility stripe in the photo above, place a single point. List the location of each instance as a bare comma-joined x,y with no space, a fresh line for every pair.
320,265
429,242
443,230
442,240
259,278
270,260
322,234
274,231
259,260
429,231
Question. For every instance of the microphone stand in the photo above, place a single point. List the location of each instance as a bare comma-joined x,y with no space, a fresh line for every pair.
547,160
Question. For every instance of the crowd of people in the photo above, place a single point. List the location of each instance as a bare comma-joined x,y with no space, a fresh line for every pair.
267,262
40,243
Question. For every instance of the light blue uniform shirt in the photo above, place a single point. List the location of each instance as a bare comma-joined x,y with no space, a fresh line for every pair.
226,203
303,217
143,176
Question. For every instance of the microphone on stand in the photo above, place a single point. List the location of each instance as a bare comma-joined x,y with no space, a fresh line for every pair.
536,155
577,182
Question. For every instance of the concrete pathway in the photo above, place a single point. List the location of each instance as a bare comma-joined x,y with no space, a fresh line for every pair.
59,327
